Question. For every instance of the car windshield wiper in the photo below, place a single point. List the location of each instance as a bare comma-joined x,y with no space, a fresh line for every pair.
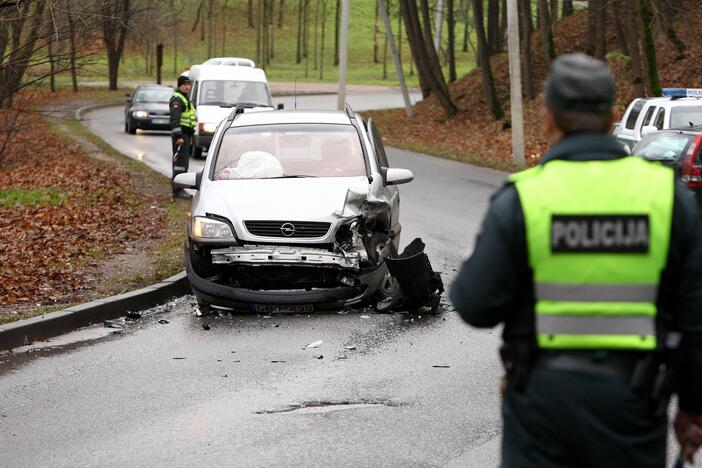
298,176
252,104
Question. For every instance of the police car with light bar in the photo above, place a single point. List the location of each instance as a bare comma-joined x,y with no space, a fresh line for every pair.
677,108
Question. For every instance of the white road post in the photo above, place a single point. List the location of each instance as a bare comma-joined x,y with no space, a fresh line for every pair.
438,25
396,59
515,84
343,53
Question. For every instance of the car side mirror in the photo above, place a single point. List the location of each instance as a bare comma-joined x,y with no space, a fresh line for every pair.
396,176
648,129
189,180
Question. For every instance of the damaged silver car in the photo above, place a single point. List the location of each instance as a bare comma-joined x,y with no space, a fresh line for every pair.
294,211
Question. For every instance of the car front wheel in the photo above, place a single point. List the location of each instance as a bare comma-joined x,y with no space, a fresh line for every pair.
129,126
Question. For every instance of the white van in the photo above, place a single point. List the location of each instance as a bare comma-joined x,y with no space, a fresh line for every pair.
216,90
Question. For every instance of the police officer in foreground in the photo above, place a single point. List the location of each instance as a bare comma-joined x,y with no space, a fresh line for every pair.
593,262
183,122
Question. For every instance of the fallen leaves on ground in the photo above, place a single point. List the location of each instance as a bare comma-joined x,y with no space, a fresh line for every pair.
44,247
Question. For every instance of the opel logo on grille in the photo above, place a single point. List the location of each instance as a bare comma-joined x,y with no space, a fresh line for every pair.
288,229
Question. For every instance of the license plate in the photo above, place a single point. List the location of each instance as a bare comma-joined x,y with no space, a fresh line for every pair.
273,308
160,121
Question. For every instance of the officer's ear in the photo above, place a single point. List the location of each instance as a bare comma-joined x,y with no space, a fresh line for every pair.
551,130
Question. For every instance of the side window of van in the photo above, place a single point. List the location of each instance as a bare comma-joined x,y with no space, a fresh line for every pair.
193,94
660,118
634,114
649,116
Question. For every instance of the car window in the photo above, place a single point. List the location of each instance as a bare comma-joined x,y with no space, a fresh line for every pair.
289,150
193,94
153,95
231,92
649,116
378,147
634,114
660,119
665,147
686,116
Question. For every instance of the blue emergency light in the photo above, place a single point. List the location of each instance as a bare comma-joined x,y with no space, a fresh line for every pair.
676,93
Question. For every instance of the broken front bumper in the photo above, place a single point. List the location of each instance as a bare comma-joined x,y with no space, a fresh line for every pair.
239,298
284,255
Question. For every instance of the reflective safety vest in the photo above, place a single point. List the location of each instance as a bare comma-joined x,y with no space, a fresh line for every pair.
597,234
187,114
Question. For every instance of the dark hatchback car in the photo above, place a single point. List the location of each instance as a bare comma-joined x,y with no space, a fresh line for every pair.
147,108
678,148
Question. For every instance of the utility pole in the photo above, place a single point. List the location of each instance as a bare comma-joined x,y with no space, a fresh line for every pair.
343,54
438,25
515,84
396,58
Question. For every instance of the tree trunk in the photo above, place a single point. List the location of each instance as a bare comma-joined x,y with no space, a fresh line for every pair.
666,15
298,49
619,26
503,26
376,28
306,29
321,51
631,25
493,26
385,54
593,6
316,35
554,12
525,30
484,62
547,45
601,31
466,22
115,28
451,46
52,67
337,19
249,14
281,13
568,8
649,46
72,43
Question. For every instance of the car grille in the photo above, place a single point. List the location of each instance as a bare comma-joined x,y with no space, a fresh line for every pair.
287,229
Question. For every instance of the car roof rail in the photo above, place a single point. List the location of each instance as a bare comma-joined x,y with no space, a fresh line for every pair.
349,111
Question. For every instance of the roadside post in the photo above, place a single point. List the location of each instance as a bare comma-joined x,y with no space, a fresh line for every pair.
515,84
396,58
343,54
159,62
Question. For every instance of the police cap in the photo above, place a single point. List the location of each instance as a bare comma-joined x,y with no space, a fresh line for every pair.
182,79
578,82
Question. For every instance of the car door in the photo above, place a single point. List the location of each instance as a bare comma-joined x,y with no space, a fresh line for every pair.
389,192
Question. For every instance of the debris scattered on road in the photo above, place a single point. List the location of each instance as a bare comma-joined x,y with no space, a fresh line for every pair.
314,344
225,375
343,312
319,357
441,366
219,360
275,325
113,324
365,317
350,348
205,326
276,361
236,361
266,316
178,358
232,352
163,322
133,315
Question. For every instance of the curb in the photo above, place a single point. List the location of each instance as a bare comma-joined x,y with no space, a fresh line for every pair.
24,332
78,113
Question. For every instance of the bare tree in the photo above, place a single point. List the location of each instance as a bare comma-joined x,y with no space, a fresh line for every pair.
484,62
451,46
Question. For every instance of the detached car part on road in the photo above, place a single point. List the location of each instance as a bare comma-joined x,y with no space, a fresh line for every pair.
294,211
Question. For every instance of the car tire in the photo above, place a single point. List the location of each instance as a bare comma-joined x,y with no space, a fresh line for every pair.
389,287
197,152
131,128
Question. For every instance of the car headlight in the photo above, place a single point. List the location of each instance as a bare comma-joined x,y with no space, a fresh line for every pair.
141,114
208,228
208,128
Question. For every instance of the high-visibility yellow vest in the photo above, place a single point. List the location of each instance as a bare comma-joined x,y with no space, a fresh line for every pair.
598,234
187,115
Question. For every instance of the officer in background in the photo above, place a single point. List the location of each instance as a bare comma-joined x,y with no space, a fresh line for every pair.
183,122
593,262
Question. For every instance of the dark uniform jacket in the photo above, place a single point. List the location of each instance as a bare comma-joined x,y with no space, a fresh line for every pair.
176,107
495,284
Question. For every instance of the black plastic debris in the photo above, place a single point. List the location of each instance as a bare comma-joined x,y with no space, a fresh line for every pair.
420,285
163,322
113,324
133,315
205,326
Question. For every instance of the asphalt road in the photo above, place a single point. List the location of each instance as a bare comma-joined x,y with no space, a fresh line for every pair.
381,390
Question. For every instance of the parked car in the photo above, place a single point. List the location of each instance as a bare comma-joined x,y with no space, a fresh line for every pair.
230,61
147,108
679,149
678,107
216,90
294,211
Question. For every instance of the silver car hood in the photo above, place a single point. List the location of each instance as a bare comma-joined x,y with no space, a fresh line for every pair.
306,199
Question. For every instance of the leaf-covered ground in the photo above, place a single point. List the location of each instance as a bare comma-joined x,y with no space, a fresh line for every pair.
473,136
67,210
